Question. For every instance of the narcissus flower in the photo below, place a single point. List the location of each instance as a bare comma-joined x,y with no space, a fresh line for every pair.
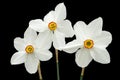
54,27
92,41
30,50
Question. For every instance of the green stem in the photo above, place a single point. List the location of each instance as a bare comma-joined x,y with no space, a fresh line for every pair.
57,64
58,77
39,72
81,77
82,73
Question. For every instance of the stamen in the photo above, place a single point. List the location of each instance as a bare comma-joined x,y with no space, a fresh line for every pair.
88,43
29,49
52,26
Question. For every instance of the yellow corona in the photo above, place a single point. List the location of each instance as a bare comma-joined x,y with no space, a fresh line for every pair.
88,43
29,49
52,26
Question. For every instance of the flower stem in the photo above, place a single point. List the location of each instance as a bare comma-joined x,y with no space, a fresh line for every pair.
57,64
82,73
39,72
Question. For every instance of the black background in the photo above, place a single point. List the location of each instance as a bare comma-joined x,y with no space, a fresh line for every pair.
16,16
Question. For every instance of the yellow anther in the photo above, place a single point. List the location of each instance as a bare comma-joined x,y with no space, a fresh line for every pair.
29,49
52,26
88,43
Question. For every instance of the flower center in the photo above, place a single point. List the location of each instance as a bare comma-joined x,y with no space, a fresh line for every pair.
29,49
52,26
88,43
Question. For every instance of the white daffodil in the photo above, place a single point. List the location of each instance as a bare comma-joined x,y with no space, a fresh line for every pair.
92,41
54,27
30,51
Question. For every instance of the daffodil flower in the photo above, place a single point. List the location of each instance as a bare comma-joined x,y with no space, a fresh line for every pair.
30,51
90,43
54,27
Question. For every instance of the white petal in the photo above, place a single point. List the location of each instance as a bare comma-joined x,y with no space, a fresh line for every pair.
44,40
66,28
38,25
43,55
19,44
72,46
95,27
103,40
30,35
31,63
83,58
58,40
60,12
18,58
100,55
49,17
80,30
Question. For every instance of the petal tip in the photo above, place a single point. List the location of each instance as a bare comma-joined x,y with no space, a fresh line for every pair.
12,62
100,19
108,61
33,23
62,3
31,72
80,65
